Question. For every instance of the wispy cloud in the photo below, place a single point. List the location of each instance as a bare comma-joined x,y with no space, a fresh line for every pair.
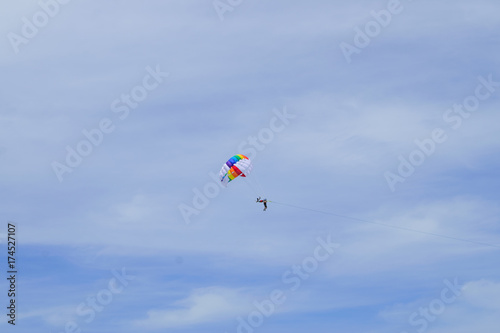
202,306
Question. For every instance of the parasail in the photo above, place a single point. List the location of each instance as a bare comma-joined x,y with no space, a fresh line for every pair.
238,165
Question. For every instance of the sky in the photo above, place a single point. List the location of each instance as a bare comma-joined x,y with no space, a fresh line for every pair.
372,127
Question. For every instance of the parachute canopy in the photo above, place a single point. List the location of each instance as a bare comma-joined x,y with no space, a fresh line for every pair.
238,165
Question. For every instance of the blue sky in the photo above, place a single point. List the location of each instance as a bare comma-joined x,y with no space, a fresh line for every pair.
115,117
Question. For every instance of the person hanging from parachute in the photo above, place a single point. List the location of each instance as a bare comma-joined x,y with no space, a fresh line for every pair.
238,165
264,201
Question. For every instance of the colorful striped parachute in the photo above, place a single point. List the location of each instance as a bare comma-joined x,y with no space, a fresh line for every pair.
238,165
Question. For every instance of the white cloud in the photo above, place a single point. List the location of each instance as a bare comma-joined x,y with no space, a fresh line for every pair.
203,305
56,316
474,310
483,294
